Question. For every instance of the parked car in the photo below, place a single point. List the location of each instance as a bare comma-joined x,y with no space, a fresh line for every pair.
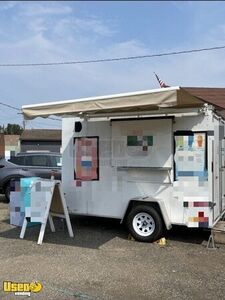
28,164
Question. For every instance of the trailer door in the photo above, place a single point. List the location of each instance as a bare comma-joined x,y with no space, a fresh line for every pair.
223,175
218,170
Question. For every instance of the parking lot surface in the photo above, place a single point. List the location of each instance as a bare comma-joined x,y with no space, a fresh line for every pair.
100,262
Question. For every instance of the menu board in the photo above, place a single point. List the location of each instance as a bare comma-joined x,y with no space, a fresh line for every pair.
190,155
86,158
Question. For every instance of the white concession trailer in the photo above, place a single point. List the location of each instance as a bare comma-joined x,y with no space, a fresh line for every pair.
151,158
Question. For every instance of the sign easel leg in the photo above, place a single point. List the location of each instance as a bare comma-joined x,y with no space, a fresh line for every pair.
51,223
23,229
68,223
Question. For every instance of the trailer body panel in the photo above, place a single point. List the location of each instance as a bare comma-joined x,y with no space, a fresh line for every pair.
177,162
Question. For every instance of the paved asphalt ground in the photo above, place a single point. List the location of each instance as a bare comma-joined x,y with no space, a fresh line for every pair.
101,263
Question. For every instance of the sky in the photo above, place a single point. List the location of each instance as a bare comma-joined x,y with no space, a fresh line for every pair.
36,32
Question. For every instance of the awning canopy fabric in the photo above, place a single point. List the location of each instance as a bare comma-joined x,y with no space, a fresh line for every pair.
172,97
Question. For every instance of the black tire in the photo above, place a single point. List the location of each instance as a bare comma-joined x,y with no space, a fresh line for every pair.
149,231
7,192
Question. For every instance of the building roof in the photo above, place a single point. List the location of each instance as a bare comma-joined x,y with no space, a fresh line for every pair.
41,135
215,96
11,139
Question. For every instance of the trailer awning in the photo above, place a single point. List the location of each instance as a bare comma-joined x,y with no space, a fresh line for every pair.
172,97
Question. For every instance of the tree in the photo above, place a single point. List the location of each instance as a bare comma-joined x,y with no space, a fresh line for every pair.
13,129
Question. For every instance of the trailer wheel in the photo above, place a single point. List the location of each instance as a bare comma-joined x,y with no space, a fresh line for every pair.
144,223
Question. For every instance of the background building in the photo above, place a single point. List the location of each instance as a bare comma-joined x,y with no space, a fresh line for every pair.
2,145
41,140
12,145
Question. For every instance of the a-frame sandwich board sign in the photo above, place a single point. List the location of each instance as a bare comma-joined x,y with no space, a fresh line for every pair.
47,200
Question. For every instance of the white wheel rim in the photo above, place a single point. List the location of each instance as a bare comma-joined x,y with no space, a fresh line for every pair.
144,224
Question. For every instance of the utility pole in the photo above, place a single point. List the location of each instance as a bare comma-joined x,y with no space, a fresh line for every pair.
24,124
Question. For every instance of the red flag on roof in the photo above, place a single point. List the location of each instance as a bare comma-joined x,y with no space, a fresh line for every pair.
161,82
